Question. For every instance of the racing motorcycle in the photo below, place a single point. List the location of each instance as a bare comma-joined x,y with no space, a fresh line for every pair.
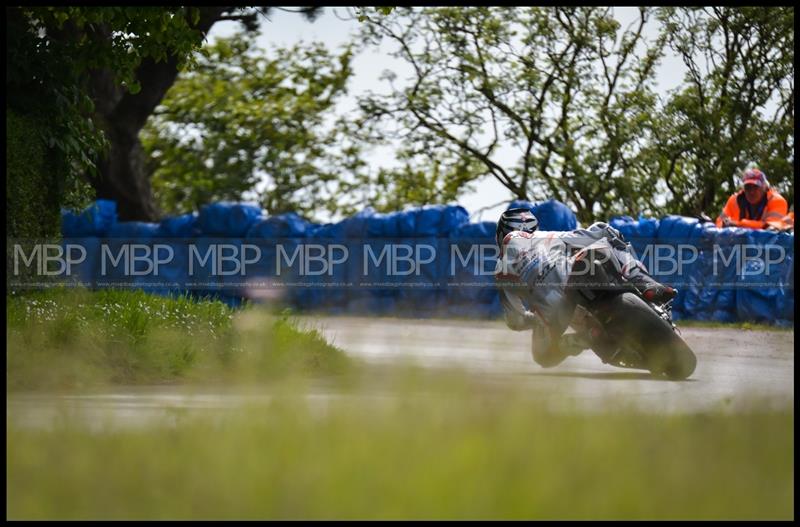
626,330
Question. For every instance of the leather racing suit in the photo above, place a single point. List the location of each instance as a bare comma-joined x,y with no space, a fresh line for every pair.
534,273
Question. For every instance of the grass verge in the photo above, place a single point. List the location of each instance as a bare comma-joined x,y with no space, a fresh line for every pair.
68,338
751,326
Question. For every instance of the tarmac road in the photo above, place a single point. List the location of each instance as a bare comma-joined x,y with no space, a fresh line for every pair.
736,370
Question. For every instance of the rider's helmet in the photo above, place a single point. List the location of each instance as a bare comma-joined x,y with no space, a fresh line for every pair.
517,219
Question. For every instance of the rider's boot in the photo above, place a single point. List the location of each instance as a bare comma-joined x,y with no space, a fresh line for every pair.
653,291
546,351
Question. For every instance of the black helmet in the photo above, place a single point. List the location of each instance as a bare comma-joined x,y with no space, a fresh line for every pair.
517,219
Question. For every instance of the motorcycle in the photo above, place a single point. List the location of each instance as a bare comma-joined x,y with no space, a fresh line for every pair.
626,330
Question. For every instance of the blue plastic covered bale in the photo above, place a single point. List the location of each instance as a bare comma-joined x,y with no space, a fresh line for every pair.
673,261
631,229
641,233
484,231
287,225
334,231
679,227
424,291
624,224
372,271
182,226
690,302
218,267
328,291
324,273
289,267
356,225
552,214
85,252
728,271
712,282
374,287
228,219
134,230
237,261
473,259
406,223
520,204
382,225
453,218
96,220
125,263
428,220
439,220
766,281
129,259
647,228
555,216
175,272
687,238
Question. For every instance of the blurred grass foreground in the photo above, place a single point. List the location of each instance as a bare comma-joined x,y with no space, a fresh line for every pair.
433,445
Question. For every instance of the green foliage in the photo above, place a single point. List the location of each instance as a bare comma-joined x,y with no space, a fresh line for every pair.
436,450
568,95
422,179
32,184
736,104
362,13
42,80
240,116
564,89
52,50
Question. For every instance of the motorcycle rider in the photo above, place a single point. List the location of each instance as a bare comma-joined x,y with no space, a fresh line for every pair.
539,273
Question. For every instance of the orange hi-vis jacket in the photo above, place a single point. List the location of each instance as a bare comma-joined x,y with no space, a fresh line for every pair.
770,211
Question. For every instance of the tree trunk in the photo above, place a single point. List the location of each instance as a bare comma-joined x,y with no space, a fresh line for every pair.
122,175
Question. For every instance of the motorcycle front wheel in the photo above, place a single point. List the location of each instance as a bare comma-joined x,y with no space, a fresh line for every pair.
633,325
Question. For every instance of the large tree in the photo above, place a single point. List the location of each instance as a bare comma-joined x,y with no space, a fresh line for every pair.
560,102
113,64
244,118
552,102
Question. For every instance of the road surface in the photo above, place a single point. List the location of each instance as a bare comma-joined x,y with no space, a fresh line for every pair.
736,370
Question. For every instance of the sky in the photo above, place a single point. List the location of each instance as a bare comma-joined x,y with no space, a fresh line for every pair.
334,29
